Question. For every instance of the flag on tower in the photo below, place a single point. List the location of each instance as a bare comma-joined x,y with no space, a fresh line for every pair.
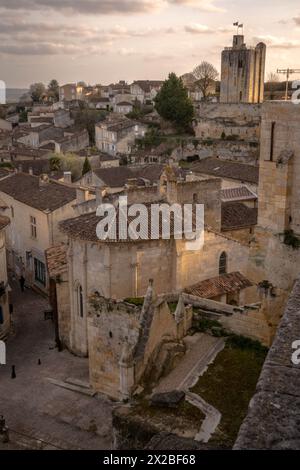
241,25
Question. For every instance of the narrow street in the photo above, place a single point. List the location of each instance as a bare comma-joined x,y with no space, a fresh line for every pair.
38,413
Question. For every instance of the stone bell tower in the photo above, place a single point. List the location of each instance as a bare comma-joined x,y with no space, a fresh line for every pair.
243,72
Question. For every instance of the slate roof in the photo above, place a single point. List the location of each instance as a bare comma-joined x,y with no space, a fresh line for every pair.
227,169
241,193
236,215
4,221
56,258
26,189
220,285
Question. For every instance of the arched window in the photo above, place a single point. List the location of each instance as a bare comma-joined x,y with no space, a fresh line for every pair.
79,299
223,263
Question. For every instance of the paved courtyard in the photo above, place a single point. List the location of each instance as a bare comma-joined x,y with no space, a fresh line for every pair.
38,413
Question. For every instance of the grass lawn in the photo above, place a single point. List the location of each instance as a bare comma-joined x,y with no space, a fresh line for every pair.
229,384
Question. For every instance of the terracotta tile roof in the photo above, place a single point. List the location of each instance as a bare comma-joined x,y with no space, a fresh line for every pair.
225,284
227,169
26,189
114,177
241,193
236,215
56,258
84,228
36,119
4,173
27,152
117,177
118,126
4,221
147,85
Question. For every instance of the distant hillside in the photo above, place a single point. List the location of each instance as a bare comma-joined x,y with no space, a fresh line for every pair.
14,94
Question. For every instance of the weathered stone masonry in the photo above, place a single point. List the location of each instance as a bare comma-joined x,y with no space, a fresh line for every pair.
274,412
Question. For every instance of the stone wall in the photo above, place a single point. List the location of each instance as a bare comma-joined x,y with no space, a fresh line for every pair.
205,192
252,323
122,338
111,326
274,412
240,112
64,310
230,131
222,128
240,151
279,191
4,302
73,143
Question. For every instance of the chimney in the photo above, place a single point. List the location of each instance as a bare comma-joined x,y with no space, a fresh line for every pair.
30,171
67,177
98,192
81,195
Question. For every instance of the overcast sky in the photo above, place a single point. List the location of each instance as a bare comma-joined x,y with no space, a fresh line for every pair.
101,41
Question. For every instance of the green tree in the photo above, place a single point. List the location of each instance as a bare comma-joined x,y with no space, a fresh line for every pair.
36,91
53,90
173,104
55,162
3,112
86,166
23,116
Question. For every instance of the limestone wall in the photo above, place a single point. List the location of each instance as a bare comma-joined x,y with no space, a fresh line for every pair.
110,327
222,128
279,191
205,192
4,302
64,309
273,417
250,323
240,112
